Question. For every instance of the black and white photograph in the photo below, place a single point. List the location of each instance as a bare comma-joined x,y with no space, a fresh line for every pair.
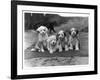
53,39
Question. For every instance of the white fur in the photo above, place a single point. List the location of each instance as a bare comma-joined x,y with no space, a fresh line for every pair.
42,38
50,41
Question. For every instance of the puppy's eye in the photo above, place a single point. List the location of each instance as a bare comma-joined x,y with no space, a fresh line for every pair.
62,34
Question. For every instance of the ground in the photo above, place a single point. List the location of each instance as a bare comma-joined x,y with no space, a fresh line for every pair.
34,59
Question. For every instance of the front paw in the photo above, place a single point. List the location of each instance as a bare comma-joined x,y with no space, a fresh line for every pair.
71,48
77,49
60,50
51,52
66,48
33,49
42,50
39,50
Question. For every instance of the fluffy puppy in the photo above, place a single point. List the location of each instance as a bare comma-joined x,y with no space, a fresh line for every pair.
73,39
52,44
62,41
42,37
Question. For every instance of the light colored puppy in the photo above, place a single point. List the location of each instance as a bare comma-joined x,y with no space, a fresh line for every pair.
73,39
52,44
62,41
42,37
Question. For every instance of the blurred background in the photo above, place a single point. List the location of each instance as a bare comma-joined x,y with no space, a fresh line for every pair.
34,20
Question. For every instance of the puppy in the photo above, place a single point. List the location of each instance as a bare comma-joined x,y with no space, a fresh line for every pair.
62,41
73,39
42,37
52,44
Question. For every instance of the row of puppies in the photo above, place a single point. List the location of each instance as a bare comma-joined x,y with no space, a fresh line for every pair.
56,42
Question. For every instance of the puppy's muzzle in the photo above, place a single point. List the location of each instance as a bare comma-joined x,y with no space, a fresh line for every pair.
43,33
73,34
53,43
61,37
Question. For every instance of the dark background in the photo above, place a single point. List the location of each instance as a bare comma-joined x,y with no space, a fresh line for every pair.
34,20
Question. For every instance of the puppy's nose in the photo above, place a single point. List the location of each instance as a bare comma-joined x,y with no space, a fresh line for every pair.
60,37
43,32
53,42
74,33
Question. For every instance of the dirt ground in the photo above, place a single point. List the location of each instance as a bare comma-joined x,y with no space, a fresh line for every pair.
34,59
56,61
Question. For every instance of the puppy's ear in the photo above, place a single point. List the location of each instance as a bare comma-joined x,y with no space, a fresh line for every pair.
64,34
46,29
77,32
69,32
38,30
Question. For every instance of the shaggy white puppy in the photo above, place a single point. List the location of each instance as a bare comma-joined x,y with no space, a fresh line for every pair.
62,41
42,37
74,39
52,44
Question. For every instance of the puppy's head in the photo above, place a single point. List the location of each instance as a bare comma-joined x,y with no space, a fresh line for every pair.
61,35
42,30
73,32
53,40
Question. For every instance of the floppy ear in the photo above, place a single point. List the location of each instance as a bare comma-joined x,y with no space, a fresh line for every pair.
38,30
64,34
77,32
69,32
46,29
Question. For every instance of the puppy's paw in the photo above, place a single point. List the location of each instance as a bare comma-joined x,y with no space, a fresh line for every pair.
39,50
33,49
66,48
51,52
70,48
42,50
60,50
76,49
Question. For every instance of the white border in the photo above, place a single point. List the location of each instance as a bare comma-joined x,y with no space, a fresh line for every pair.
55,69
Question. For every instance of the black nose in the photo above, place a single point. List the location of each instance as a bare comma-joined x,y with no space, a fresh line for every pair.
74,35
53,42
